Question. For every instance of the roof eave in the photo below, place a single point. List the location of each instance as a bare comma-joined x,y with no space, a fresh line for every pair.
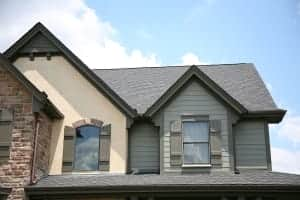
272,116
161,189
52,110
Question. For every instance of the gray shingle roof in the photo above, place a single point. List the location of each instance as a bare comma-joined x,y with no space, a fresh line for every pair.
141,87
254,178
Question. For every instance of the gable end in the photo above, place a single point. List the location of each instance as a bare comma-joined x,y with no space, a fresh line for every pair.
195,72
25,44
39,44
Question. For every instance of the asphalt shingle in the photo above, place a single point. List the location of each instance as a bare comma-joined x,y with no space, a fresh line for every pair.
141,87
214,178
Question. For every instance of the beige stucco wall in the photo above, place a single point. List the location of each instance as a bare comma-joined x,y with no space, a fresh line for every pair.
77,99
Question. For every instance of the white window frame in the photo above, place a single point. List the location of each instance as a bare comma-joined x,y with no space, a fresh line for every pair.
196,119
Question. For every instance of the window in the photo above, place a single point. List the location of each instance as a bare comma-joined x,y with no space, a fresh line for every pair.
195,142
87,148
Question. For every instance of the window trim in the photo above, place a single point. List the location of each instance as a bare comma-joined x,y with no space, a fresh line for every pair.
197,118
74,151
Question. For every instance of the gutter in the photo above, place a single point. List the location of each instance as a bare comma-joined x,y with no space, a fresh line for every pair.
52,110
272,116
160,189
33,163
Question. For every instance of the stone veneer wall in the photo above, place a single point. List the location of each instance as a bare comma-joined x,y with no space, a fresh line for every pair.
43,146
16,172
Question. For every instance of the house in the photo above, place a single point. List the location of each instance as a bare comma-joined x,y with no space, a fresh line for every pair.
177,132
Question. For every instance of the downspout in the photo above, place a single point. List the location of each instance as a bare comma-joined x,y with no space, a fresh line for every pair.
36,132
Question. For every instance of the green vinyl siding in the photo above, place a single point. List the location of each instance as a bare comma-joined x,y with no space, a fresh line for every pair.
250,144
195,100
144,147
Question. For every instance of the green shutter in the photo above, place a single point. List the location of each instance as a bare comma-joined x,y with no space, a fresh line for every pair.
68,152
6,117
175,143
5,141
104,154
215,139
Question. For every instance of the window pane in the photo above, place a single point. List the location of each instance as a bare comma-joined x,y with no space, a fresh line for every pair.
195,131
87,148
195,153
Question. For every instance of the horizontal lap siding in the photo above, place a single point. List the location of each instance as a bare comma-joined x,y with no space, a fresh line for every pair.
195,100
39,44
251,144
144,147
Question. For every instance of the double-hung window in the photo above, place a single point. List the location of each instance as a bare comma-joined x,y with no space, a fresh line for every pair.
195,142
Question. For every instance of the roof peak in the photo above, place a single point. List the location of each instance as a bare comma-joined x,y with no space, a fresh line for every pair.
173,66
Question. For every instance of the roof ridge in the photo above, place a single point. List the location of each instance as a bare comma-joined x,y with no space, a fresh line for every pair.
121,68
170,66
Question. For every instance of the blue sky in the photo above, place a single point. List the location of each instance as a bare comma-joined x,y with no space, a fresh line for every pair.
146,33
266,33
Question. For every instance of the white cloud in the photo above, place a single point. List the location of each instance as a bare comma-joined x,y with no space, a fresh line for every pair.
191,59
290,128
77,25
80,29
287,159
284,160
269,86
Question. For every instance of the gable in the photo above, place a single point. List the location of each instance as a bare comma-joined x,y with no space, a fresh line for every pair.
40,39
195,72
39,44
193,99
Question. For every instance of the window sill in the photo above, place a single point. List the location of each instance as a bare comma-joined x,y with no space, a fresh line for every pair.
197,166
91,173
251,167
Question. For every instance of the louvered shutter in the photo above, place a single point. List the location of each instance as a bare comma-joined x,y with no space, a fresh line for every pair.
6,118
104,155
215,141
68,149
176,143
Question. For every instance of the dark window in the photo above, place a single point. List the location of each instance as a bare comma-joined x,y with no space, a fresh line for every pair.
87,148
196,142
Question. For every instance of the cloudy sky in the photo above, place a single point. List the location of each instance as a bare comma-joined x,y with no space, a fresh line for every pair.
108,33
